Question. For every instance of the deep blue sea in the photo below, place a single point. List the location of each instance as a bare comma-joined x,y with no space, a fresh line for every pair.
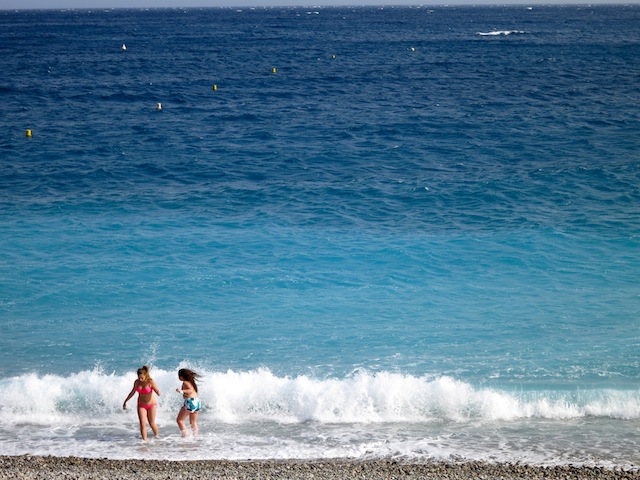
408,233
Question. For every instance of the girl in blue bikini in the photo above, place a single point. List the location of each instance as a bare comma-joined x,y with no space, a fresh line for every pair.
147,404
191,404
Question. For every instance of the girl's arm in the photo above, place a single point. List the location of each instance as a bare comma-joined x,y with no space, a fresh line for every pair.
131,394
155,387
187,389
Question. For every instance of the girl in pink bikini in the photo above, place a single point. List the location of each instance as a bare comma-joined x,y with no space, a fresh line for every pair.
147,404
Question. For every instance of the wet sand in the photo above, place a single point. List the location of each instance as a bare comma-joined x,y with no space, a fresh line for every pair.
36,467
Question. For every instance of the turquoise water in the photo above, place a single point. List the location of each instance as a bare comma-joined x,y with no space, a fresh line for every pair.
417,238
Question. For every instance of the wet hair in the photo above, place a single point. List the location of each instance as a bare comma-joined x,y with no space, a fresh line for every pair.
190,376
144,371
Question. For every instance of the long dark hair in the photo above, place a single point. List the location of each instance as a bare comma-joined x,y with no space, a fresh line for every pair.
190,376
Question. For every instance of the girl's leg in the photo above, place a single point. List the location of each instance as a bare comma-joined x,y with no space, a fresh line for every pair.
193,420
182,415
142,418
151,414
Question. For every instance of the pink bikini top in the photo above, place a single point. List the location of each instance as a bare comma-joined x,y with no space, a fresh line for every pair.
144,390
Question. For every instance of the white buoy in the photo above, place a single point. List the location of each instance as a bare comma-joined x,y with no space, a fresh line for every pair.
124,47
159,106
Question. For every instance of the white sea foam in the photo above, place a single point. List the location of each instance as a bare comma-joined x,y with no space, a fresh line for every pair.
260,395
257,414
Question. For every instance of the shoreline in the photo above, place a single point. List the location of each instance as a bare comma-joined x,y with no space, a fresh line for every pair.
33,466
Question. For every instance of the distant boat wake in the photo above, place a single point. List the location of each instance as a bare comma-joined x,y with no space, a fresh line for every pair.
499,32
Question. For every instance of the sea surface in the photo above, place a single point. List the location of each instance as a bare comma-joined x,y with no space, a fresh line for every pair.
408,233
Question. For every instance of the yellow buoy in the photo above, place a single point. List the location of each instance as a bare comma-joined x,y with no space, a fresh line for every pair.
28,133
159,106
333,56
273,70
215,87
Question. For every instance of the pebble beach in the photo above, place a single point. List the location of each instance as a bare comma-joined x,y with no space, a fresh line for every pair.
39,467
